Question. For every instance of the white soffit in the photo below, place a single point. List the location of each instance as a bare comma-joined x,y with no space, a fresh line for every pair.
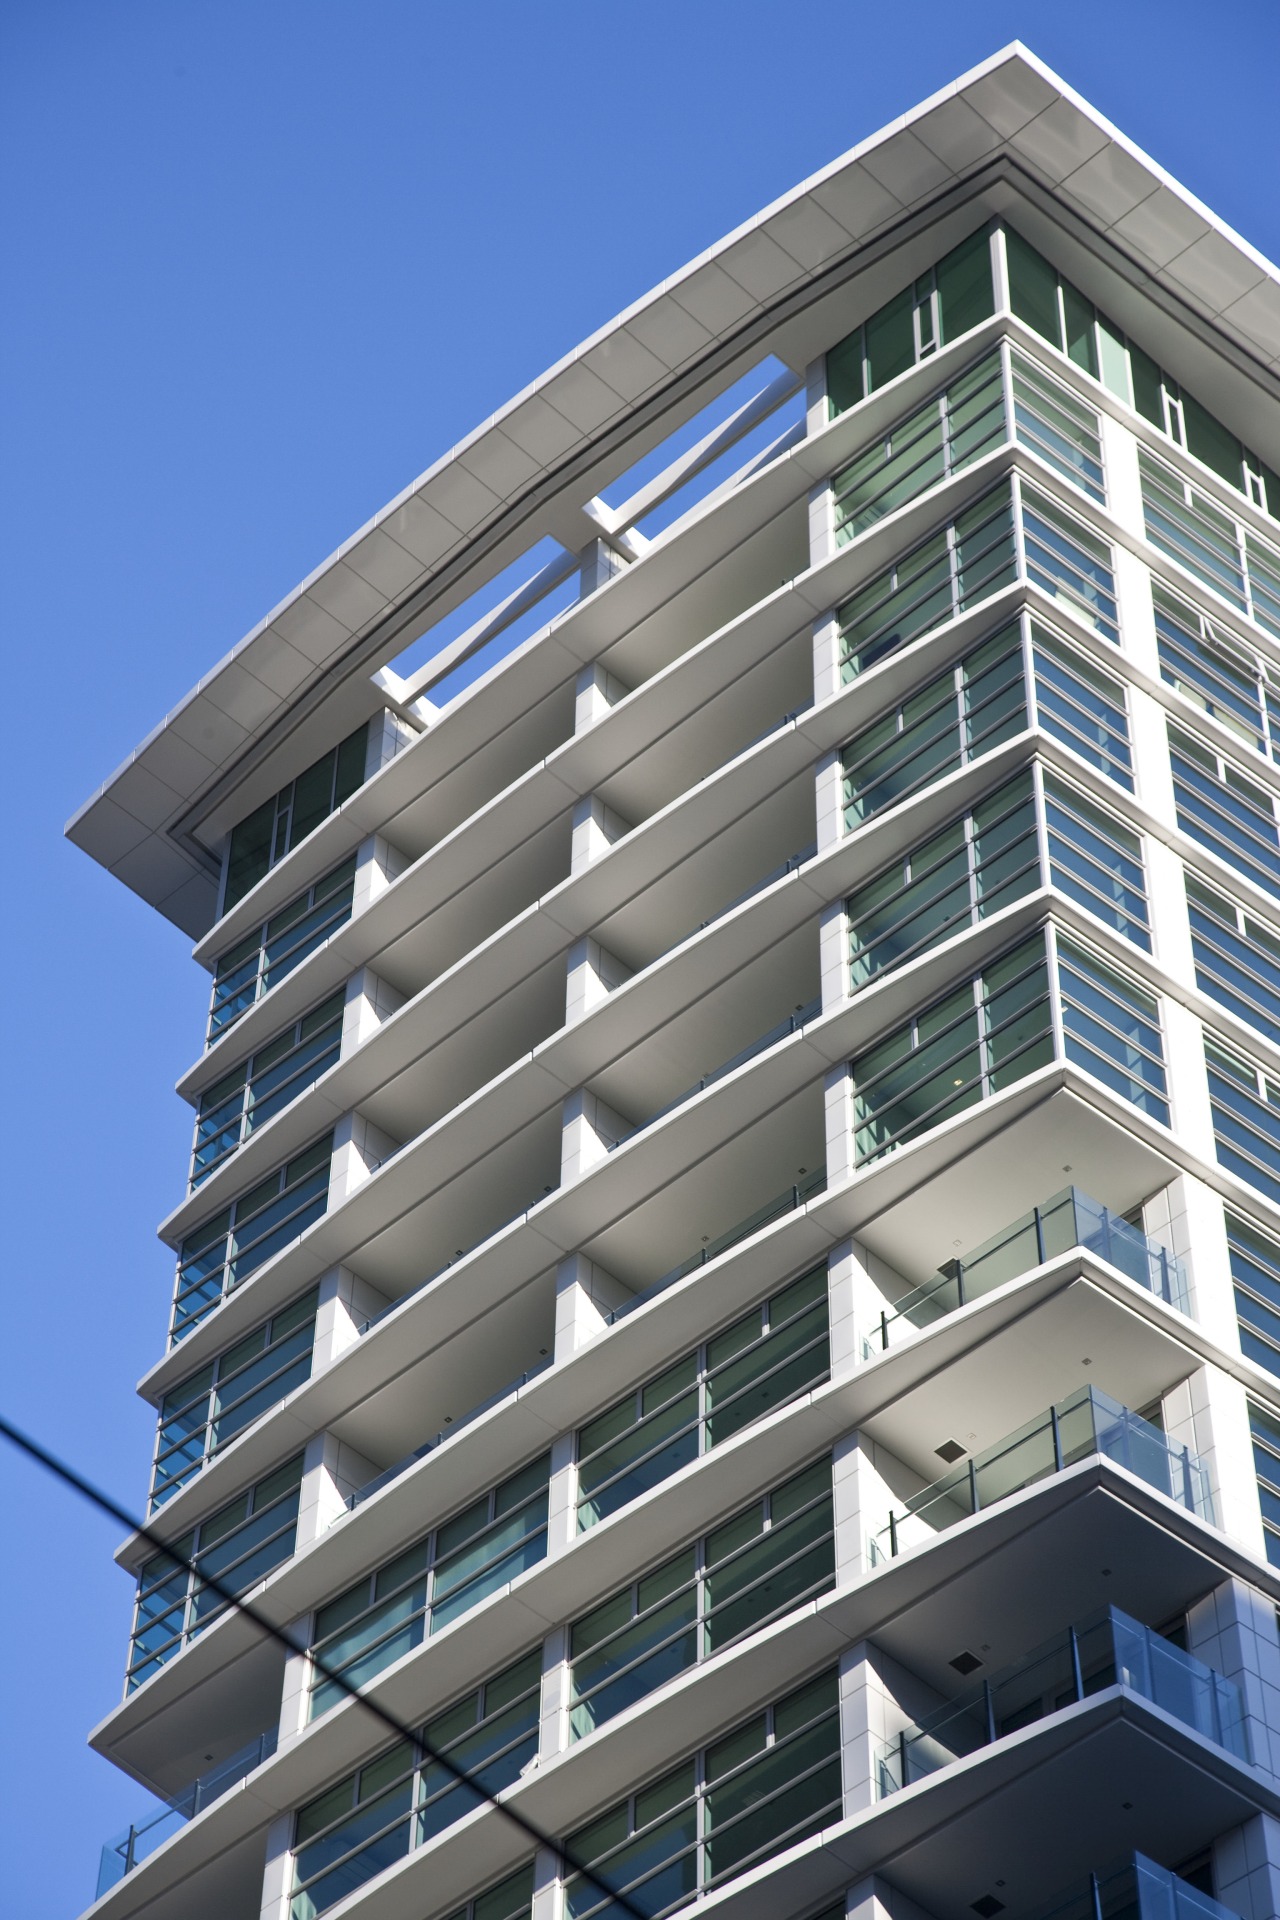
347,618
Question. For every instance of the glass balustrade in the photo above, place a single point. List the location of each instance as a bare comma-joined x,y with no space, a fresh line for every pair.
391,1473
128,1849
1087,1423
1070,1219
1140,1890
1110,1650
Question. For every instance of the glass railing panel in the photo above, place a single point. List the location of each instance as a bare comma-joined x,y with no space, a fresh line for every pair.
1140,1890
1070,1219
1086,1423
128,1849
1109,1650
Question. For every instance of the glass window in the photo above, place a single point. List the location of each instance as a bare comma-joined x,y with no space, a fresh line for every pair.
768,1559
271,952
1111,1028
265,1084
952,570
1237,957
1059,313
1226,811
1245,1103
433,1582
1096,861
1265,1429
1255,1272
1185,524
975,1041
948,433
955,296
1070,564
1033,288
1215,673
973,867
239,1545
772,1781
211,1407
297,810
1080,705
766,1358
963,713
220,1254
404,1798
1052,422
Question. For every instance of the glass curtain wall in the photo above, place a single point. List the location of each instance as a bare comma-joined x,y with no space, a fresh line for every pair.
770,1558
209,1408
991,856
280,824
764,1359
221,1254
769,1783
239,1545
999,1026
434,1582
265,957
264,1084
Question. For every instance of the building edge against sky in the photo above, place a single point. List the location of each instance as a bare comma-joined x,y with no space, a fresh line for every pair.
730,1273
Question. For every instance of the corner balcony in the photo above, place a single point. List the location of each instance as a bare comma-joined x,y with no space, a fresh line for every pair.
1111,1651
1089,1422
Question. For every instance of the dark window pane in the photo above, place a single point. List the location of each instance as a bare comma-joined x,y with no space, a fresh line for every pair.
964,285
1033,288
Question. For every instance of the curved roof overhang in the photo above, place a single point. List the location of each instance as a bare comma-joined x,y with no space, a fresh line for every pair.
1007,136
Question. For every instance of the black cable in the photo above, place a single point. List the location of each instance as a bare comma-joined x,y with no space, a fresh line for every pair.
105,1504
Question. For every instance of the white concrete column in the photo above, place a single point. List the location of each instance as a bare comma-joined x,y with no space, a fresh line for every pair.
842,1278
331,1471
1187,1218
591,1129
595,829
295,1696
359,1149
1188,1083
546,1885
553,1718
1246,1868
1124,484
585,1294
562,1496
829,783
815,395
347,1305
378,864
875,1899
592,974
596,692
278,1872
599,563
1210,1414
826,658
822,524
861,1500
838,1097
389,734
1152,770
878,1698
369,1001
1167,902
1233,1629
833,956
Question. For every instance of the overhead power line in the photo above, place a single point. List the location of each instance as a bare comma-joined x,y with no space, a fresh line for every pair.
105,1504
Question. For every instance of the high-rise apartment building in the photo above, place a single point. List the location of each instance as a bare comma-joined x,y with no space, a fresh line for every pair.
730,1270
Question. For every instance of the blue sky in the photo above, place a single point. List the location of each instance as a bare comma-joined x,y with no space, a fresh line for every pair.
263,262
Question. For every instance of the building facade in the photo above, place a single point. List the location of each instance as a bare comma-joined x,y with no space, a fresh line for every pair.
730,1271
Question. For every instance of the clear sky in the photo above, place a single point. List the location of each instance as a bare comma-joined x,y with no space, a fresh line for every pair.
263,261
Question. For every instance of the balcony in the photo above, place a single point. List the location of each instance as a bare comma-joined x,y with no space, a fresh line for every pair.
1070,1219
1088,1422
1140,1890
1111,1650
130,1848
